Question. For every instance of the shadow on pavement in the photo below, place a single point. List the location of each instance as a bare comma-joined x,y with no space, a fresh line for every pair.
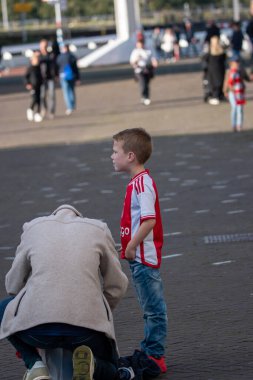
205,185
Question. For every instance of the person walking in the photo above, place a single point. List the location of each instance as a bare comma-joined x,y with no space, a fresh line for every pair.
234,90
190,38
64,283
69,76
49,74
216,66
168,45
212,30
157,42
143,63
33,79
249,29
236,39
142,237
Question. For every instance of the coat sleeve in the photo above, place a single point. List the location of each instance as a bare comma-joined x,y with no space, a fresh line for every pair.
115,282
20,270
28,75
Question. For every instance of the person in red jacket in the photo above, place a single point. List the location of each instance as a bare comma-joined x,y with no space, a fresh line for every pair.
234,90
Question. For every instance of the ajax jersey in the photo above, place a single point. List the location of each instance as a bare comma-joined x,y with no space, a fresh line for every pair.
142,203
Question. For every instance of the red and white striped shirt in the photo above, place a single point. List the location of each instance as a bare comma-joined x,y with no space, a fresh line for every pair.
142,203
236,84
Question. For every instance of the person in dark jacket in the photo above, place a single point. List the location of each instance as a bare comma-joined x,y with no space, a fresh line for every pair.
33,80
190,38
249,29
216,65
211,30
236,39
69,76
49,74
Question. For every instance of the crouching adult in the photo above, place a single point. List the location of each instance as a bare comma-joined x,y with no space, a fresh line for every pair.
64,283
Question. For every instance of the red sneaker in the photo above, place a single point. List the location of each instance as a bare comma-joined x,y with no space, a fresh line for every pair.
160,362
18,355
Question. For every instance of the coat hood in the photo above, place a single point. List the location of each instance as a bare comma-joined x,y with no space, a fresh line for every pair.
67,207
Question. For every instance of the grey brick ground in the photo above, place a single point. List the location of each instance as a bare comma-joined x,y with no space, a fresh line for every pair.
204,176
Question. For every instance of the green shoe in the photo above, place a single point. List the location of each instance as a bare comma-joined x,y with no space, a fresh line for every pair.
37,373
83,363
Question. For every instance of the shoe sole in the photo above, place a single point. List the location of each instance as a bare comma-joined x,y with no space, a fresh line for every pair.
83,363
42,377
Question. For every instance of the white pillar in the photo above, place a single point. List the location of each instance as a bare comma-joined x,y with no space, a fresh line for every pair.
58,22
127,17
5,15
236,10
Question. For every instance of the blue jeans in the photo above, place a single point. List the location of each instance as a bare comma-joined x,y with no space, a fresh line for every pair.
236,111
26,342
149,288
47,96
68,88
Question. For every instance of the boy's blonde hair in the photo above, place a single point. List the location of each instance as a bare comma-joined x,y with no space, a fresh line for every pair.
136,140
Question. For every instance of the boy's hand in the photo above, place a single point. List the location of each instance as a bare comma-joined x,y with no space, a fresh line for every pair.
130,252
143,231
119,249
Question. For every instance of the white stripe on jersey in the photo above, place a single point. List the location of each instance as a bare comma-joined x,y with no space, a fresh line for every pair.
143,207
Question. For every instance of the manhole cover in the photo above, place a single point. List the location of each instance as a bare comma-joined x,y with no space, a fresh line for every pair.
231,238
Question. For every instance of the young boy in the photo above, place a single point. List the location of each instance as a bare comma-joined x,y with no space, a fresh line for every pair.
142,236
33,79
234,90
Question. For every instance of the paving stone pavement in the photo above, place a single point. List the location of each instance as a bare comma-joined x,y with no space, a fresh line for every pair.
204,176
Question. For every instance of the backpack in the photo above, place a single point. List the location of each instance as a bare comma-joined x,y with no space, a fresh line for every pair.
68,73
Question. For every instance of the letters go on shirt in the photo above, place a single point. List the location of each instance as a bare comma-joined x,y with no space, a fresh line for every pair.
142,203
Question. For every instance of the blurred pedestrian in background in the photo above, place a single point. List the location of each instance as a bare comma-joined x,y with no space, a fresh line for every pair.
249,29
69,76
236,39
176,44
205,79
211,30
216,66
168,44
234,90
140,36
143,63
157,42
49,73
33,79
55,47
190,38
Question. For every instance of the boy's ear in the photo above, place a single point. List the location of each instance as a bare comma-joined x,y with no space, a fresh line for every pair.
131,156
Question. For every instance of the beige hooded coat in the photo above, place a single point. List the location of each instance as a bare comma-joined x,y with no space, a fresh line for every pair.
66,270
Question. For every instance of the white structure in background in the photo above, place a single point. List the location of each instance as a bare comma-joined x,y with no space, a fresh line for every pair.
236,10
5,14
127,17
